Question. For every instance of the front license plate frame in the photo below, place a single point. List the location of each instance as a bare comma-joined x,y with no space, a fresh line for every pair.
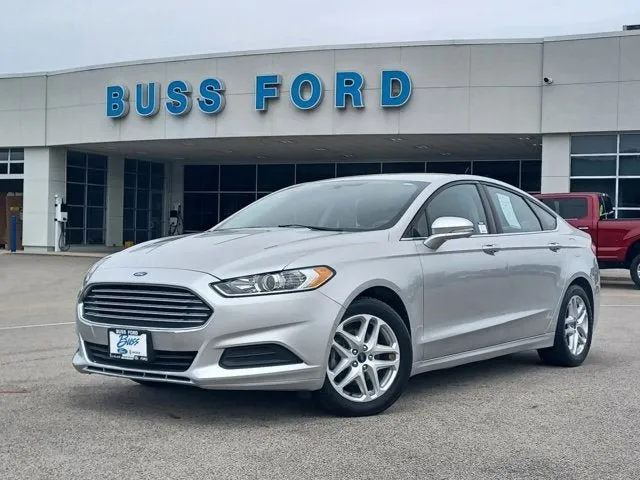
136,346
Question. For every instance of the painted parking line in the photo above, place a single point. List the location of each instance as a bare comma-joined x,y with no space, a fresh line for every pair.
17,327
623,306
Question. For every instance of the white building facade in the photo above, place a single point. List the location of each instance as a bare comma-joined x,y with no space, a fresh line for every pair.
124,144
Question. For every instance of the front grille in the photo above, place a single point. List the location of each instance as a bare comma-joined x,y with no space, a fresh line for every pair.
163,360
144,306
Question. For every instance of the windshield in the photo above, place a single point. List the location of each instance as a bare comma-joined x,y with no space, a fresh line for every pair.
347,205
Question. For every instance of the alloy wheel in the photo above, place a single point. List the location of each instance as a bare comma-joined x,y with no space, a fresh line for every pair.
576,325
364,358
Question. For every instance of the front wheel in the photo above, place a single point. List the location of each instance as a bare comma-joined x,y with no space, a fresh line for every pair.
574,331
369,362
635,270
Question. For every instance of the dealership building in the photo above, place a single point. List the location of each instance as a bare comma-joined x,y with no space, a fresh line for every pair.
125,144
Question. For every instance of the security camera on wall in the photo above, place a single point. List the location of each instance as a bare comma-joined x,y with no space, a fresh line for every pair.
547,80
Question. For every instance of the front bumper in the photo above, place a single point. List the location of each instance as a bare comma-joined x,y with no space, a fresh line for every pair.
302,322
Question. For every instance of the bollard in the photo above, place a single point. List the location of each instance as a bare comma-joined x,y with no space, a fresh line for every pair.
13,233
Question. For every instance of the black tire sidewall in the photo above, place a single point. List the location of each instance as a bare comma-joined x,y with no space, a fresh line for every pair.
330,399
560,342
633,270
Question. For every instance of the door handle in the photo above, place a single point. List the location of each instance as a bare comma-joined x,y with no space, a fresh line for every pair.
554,246
491,248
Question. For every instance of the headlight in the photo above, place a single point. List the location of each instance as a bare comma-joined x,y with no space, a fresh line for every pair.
275,282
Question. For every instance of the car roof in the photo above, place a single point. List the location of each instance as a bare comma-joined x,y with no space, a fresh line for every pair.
415,177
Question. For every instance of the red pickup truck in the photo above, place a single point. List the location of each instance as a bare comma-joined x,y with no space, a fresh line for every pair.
617,242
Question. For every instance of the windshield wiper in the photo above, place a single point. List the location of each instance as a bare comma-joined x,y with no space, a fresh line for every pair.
311,227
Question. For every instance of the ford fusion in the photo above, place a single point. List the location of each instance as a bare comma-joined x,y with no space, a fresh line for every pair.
346,288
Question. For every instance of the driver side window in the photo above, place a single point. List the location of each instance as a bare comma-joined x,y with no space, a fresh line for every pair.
457,201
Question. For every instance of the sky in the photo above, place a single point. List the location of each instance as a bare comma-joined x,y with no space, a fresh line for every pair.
48,35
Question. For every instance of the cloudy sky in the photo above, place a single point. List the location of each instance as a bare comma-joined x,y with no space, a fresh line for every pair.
44,35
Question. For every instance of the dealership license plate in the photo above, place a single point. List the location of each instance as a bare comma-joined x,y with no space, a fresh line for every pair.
127,344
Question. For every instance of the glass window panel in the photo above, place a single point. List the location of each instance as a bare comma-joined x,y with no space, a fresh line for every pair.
201,178
4,168
630,143
74,236
531,176
275,177
97,177
142,236
629,192
458,201
75,218
17,155
590,144
95,196
310,172
568,208
16,168
604,185
76,159
144,168
142,219
130,180
200,211
95,237
350,169
630,165
129,198
403,167
157,169
263,194
603,166
4,155
75,194
143,199
548,221
237,178
95,217
157,182
143,181
129,217
448,167
77,175
513,213
128,236
130,165
628,213
230,203
97,161
508,172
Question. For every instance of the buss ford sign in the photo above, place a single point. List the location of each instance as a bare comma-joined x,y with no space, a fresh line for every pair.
306,93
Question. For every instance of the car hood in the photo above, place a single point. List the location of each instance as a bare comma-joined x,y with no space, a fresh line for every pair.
231,253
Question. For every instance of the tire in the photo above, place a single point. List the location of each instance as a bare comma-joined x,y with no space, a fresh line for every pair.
635,270
561,353
392,372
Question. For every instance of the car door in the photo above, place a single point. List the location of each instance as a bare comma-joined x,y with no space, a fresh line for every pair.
465,279
535,254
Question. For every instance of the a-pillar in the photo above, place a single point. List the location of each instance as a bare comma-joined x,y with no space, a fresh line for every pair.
44,177
556,163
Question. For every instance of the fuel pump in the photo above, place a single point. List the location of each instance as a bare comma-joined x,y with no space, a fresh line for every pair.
60,218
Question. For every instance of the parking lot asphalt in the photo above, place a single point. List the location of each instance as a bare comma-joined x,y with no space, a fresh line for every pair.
507,418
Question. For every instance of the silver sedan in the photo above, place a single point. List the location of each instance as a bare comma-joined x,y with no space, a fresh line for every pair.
345,287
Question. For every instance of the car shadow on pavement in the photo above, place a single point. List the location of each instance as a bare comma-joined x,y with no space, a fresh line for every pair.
126,399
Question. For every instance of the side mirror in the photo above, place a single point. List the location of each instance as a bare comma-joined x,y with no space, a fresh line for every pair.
448,228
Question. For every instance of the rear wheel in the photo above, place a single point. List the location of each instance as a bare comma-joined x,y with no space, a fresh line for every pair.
369,362
635,270
573,332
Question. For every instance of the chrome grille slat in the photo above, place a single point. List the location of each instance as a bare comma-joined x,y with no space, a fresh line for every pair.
144,306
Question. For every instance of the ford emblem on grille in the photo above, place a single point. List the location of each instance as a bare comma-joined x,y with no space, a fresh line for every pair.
139,274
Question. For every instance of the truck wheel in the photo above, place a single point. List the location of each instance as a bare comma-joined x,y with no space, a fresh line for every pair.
635,270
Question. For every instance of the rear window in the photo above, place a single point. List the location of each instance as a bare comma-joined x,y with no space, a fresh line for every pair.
568,208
